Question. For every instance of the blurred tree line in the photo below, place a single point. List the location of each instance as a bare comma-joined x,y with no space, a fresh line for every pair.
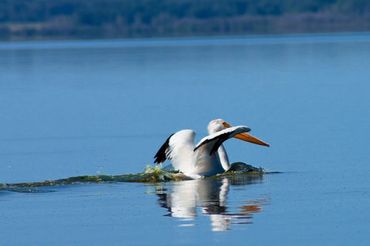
147,18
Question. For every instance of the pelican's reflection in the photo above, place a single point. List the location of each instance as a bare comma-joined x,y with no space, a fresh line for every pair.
208,196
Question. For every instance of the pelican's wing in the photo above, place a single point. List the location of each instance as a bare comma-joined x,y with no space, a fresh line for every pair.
213,142
179,148
164,151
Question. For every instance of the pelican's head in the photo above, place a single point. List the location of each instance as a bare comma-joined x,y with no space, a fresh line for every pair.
216,126
219,124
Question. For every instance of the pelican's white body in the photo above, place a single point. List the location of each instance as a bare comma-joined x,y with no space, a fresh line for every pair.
191,163
208,157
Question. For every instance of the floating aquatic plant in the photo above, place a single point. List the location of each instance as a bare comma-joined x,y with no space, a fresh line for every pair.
151,174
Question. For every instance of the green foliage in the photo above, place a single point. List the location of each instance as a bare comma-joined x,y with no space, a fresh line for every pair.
97,12
167,17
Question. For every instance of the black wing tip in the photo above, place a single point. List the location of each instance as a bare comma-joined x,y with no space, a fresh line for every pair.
161,154
158,160
217,144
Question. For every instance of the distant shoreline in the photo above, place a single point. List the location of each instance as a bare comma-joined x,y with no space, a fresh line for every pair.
186,41
185,37
215,35
111,19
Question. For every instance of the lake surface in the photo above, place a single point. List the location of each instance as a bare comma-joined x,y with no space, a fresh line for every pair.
71,108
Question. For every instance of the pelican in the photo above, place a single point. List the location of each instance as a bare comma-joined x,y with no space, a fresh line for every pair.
209,156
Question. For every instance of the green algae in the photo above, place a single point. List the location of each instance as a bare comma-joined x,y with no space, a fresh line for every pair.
238,171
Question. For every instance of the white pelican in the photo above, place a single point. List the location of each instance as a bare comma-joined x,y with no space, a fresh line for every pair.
208,157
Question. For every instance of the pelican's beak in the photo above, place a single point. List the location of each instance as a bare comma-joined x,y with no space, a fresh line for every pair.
247,137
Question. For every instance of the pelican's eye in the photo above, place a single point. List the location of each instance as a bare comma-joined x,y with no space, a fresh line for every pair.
225,124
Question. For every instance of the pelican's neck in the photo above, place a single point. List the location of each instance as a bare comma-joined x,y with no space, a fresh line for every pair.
223,158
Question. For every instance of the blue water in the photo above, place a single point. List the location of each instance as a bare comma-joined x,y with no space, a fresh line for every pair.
72,108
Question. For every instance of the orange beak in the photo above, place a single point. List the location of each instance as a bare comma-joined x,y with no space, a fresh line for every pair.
247,137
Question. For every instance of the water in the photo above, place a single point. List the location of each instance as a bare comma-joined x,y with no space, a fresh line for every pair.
72,108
